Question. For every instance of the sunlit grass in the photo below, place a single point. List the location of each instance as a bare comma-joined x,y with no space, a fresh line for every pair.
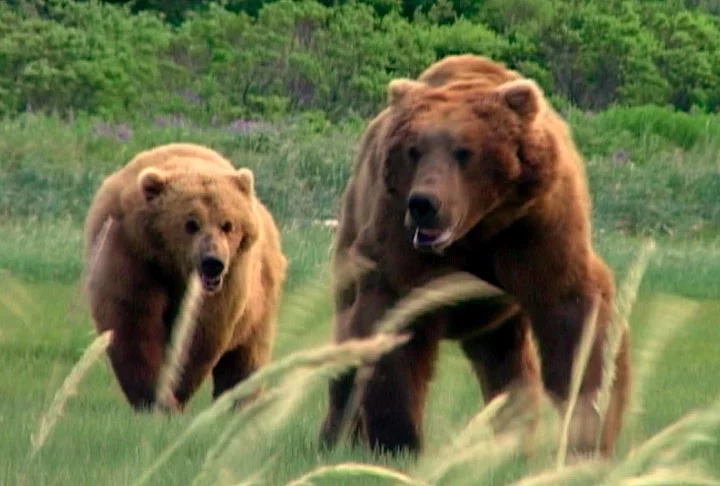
273,440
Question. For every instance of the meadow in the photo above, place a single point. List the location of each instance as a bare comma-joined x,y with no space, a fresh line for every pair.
651,177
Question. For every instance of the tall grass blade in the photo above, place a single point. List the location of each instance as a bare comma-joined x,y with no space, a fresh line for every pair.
257,476
671,477
618,328
481,458
94,252
667,316
478,430
180,343
300,308
582,474
442,291
262,420
338,357
582,356
337,472
668,445
69,388
439,292
14,297
259,411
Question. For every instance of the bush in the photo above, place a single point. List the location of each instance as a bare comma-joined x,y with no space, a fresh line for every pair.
271,60
85,59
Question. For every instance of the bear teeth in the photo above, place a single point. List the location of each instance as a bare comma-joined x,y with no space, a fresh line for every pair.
430,238
210,284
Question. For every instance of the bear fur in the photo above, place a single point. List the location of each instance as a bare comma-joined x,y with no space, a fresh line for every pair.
469,169
176,211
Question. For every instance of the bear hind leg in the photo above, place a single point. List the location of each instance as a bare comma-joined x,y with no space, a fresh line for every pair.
559,331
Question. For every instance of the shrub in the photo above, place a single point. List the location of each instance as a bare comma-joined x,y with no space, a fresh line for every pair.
271,60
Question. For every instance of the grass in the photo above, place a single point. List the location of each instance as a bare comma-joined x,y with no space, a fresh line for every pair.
98,439
92,437
642,182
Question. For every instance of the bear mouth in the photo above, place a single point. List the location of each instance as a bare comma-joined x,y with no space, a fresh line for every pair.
426,239
210,285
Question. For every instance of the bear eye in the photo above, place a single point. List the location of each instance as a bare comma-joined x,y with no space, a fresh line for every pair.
226,227
192,226
413,153
462,155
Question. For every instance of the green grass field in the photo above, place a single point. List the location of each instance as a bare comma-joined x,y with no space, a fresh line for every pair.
45,328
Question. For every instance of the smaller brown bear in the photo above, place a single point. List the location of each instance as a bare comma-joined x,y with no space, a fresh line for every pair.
174,211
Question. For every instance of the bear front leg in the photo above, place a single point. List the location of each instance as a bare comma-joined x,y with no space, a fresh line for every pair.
126,300
558,330
136,359
395,394
504,360
205,351
239,363
356,315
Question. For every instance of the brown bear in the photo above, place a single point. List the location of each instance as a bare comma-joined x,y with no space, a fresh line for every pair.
469,169
176,211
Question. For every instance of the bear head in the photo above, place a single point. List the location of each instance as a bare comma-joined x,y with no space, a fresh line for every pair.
458,153
197,221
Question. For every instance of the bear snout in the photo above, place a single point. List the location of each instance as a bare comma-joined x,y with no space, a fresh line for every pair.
424,209
211,267
431,230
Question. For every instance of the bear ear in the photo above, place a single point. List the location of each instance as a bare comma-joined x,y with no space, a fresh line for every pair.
152,181
245,180
398,89
523,96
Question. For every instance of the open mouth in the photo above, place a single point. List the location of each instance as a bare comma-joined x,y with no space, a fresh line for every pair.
431,239
210,284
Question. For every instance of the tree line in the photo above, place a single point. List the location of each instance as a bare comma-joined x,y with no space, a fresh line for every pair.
214,61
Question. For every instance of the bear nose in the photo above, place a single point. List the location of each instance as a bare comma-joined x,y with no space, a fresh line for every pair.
423,209
211,266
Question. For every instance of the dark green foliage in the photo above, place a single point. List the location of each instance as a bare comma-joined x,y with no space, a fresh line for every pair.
214,61
94,59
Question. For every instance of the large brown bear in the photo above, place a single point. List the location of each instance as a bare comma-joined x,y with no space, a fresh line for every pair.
469,169
173,211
